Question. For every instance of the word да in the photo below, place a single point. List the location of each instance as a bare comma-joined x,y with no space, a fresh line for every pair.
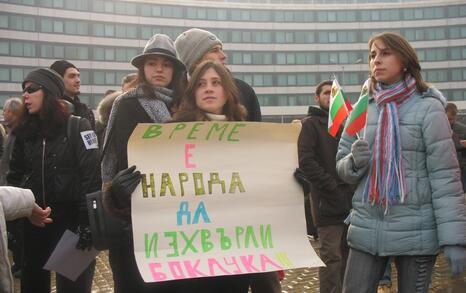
197,181
219,131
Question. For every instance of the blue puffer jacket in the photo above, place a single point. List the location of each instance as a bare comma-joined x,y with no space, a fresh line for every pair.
434,213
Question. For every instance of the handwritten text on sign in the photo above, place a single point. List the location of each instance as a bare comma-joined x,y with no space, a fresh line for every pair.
217,198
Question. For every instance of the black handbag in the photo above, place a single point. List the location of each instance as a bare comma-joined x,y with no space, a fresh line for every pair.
106,229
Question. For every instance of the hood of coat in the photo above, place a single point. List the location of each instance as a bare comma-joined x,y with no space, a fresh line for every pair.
315,111
432,92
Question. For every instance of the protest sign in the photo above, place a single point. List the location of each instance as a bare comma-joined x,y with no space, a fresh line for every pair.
217,198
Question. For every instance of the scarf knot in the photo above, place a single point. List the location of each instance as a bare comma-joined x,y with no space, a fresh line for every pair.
386,184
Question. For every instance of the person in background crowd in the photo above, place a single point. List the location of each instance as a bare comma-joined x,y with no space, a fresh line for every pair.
458,135
130,81
16,203
103,109
161,81
197,45
12,111
72,80
330,196
57,169
409,201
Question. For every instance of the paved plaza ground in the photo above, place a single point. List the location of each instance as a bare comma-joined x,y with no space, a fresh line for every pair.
296,281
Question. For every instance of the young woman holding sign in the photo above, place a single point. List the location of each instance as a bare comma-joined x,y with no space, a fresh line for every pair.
409,201
161,77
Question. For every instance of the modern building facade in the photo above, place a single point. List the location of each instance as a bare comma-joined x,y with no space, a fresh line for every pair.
283,48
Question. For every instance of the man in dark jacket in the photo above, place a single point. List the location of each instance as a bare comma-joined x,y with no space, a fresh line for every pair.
71,77
197,45
330,196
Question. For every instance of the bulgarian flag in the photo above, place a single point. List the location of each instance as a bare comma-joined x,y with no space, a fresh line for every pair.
337,111
347,102
358,117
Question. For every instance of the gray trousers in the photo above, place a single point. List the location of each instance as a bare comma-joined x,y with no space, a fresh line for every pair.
333,252
364,270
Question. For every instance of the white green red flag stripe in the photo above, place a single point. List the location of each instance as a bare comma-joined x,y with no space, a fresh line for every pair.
337,109
347,101
358,117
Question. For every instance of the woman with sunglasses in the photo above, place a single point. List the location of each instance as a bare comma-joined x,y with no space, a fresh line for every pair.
45,160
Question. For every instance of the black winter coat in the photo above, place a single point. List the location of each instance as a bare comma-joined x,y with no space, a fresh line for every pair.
248,99
331,197
56,171
81,109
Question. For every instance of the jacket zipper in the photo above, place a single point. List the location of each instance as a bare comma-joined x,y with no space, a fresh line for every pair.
43,171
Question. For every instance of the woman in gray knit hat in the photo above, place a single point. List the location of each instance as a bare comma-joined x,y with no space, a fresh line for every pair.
55,165
161,79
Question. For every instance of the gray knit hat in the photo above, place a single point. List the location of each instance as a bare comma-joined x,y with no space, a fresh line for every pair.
161,45
48,79
193,44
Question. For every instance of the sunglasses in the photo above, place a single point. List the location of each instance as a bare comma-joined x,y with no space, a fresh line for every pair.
32,88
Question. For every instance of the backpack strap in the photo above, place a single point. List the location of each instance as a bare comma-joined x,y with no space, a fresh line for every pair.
72,128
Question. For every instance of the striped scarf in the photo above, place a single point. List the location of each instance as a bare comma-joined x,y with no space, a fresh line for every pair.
386,183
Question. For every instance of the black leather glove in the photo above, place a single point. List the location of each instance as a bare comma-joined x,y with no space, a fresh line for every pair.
85,238
123,185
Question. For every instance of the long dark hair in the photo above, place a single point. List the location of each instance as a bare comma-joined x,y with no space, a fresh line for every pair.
177,84
232,109
405,52
49,122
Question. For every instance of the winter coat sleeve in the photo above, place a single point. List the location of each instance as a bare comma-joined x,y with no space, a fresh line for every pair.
444,176
308,162
16,202
88,168
345,163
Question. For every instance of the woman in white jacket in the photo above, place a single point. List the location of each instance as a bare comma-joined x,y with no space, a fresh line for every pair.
16,203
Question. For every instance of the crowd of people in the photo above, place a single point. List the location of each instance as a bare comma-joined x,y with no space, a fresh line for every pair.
395,191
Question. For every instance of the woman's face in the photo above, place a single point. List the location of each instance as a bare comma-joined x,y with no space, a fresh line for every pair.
210,95
158,71
33,97
386,67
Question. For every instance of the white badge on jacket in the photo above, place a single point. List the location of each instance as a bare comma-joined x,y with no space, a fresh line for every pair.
90,139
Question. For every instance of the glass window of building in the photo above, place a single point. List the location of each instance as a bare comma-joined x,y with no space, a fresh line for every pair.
109,54
418,13
236,58
17,49
109,30
46,51
291,79
321,16
375,15
191,13
247,58
59,51
4,74
17,74
222,14
281,58
258,80
236,37
408,14
99,77
246,37
110,78
290,58
4,47
98,54
212,14
289,16
201,13
57,26
3,21
58,4
457,74
120,55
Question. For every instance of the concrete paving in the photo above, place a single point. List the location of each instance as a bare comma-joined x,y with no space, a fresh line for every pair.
304,280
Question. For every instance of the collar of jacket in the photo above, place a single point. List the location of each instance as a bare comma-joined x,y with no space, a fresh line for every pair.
314,111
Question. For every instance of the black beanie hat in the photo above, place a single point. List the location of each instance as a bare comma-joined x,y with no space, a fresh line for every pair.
60,66
48,79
